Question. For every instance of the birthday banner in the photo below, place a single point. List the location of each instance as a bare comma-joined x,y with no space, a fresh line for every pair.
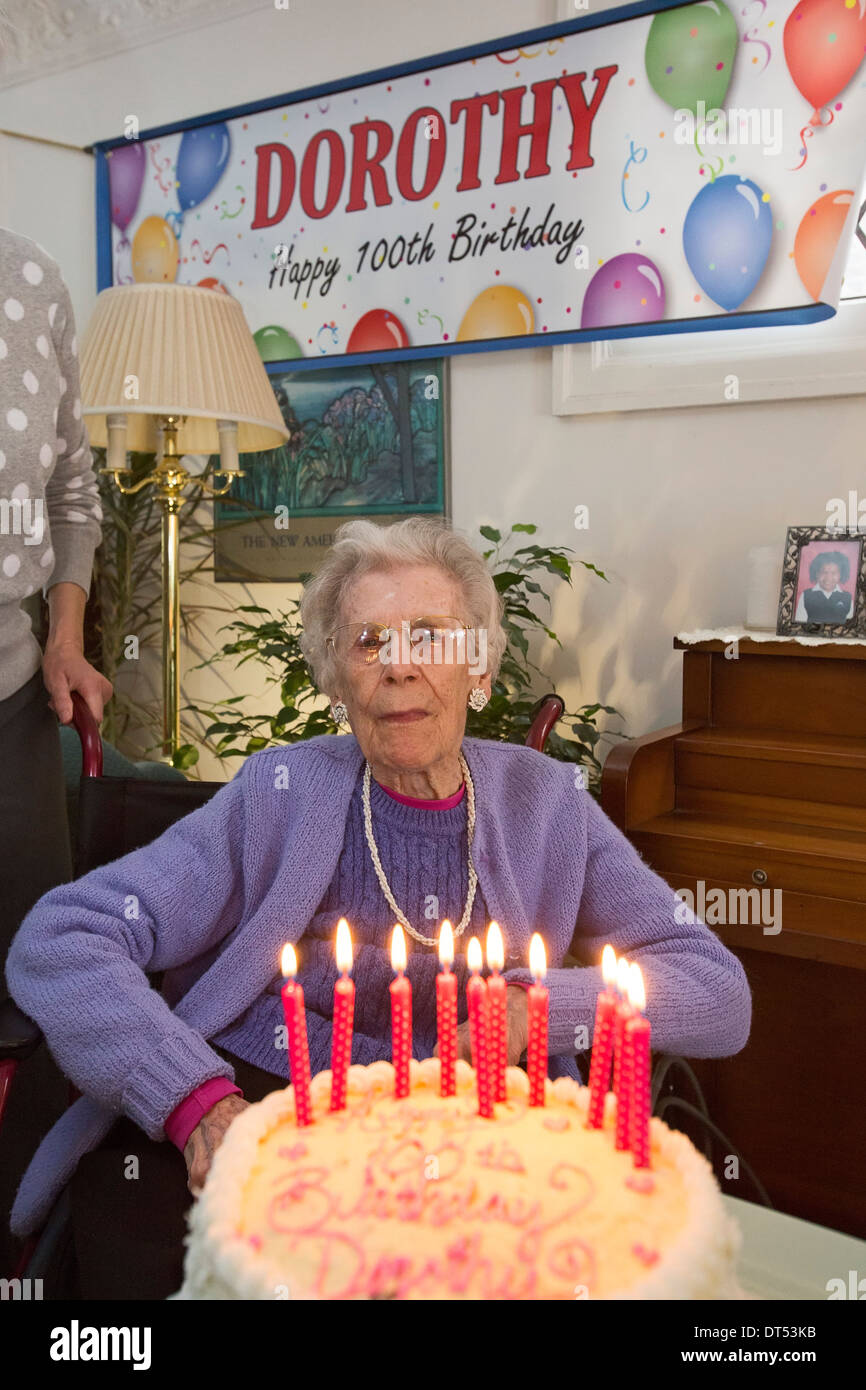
657,169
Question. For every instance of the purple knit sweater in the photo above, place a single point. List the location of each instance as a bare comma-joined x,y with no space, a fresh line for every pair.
212,901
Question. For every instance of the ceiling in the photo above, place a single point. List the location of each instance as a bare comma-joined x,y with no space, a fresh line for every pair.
40,37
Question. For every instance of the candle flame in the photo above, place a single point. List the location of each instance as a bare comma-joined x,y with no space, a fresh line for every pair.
608,966
537,958
474,959
446,944
495,947
636,990
288,961
344,947
622,969
398,949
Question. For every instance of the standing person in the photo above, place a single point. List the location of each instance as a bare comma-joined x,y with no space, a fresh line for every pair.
49,529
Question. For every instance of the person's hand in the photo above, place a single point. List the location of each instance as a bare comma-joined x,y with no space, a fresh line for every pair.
65,669
517,1023
516,1029
206,1138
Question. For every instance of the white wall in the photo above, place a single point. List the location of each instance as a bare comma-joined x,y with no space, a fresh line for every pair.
676,497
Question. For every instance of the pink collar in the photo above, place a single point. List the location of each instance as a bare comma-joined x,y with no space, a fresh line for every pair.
445,804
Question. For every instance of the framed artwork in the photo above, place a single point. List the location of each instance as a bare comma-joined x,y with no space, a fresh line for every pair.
823,583
365,441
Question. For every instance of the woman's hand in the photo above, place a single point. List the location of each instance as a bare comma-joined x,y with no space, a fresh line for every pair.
206,1138
65,669
516,1026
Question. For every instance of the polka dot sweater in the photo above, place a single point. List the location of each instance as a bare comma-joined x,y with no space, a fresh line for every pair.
49,506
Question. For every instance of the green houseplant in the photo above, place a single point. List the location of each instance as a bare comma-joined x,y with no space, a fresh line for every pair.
518,571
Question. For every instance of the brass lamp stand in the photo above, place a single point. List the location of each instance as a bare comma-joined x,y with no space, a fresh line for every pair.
169,480
181,357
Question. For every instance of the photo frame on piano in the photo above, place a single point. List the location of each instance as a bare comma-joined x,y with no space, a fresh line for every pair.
823,592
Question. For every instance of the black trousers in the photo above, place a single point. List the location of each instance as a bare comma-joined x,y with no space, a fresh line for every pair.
128,1232
35,856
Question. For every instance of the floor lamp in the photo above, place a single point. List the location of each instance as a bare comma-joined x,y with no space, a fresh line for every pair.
173,370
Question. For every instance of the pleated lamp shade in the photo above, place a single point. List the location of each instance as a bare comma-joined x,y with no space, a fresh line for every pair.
152,350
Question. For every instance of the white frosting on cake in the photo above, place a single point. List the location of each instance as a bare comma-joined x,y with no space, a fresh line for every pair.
530,1204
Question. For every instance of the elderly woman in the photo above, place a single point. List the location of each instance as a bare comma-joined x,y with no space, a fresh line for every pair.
404,820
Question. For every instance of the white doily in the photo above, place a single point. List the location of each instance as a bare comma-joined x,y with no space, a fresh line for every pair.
729,634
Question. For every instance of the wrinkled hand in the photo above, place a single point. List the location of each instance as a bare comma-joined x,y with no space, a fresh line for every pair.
206,1138
65,669
516,1025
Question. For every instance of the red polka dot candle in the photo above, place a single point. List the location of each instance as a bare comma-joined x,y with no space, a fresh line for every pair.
638,1040
537,1015
344,1011
296,1029
401,1015
446,1013
602,1041
496,993
621,1065
479,1027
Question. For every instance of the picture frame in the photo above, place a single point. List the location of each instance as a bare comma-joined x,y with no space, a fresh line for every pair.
823,589
346,458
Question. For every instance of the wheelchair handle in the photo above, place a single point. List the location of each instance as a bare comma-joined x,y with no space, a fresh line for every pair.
88,731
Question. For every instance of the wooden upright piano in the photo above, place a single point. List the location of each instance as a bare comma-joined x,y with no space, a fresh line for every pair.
763,786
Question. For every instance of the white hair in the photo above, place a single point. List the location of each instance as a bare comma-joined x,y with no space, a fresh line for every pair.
362,547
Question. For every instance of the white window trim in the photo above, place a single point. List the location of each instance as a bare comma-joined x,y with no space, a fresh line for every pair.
694,368
682,369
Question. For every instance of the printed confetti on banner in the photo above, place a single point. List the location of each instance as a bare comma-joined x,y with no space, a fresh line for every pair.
207,256
551,49
332,331
637,155
750,35
424,314
162,168
225,215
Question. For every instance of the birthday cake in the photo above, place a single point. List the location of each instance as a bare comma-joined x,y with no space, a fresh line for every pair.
421,1198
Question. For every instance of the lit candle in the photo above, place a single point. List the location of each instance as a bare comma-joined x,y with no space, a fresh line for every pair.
344,1010
496,993
621,1077
296,1028
602,1041
638,1037
536,1052
401,1015
446,1013
479,1028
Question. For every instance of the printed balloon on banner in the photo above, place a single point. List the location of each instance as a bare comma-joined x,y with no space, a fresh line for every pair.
274,344
377,331
210,282
125,177
201,162
726,238
155,253
818,236
626,289
501,311
689,55
824,41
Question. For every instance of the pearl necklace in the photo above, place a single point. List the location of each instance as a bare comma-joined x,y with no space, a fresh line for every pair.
380,872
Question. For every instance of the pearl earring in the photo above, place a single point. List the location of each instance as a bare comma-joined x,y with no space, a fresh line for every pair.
477,698
339,713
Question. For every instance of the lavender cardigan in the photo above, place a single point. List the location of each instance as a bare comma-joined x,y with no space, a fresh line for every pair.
248,870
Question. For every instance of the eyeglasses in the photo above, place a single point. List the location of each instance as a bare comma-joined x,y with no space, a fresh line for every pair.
360,644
